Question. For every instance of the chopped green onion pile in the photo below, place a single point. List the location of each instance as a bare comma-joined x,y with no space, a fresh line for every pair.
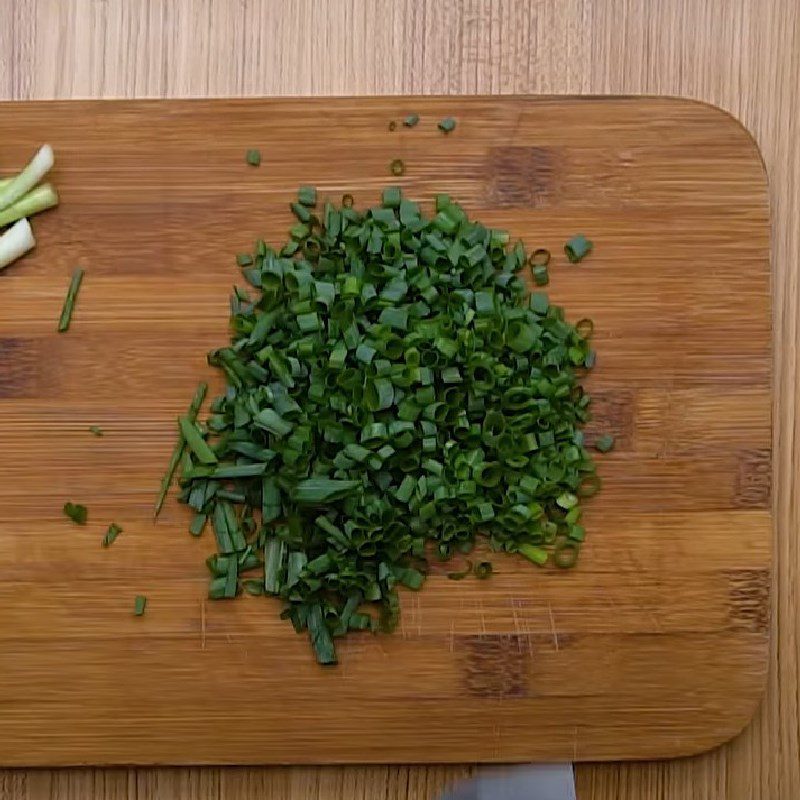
393,391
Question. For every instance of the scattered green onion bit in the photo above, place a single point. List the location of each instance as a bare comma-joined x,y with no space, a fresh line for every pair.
113,531
411,120
604,443
539,258
459,576
392,125
541,277
397,167
177,451
69,300
253,157
447,124
76,512
393,391
483,570
95,430
307,196
577,248
139,605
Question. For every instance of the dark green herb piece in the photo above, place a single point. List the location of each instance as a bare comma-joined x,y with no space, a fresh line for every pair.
604,443
195,441
177,451
76,512
566,553
307,196
253,157
393,392
539,258
397,167
347,201
447,124
577,248
320,636
139,605
458,576
252,587
113,531
69,300
244,259
585,327
95,430
411,120
483,569
541,277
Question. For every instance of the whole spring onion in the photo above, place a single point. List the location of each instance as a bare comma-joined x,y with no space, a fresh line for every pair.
393,392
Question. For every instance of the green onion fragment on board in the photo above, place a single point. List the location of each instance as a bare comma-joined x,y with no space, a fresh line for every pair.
69,300
253,157
447,124
113,531
177,451
577,248
604,443
411,120
394,393
96,430
139,605
76,512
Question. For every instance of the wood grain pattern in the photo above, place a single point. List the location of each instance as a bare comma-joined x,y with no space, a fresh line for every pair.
651,648
740,54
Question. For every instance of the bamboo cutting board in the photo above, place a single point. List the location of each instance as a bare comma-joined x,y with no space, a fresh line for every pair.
655,646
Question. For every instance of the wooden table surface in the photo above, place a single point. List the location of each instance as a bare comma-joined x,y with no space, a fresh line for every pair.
743,55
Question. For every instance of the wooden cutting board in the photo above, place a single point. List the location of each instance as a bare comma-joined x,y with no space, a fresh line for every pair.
655,646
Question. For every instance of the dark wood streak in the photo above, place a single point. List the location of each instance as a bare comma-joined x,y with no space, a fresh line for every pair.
753,480
749,592
19,368
496,665
521,176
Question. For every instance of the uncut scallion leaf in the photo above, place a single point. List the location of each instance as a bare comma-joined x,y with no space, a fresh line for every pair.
69,300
